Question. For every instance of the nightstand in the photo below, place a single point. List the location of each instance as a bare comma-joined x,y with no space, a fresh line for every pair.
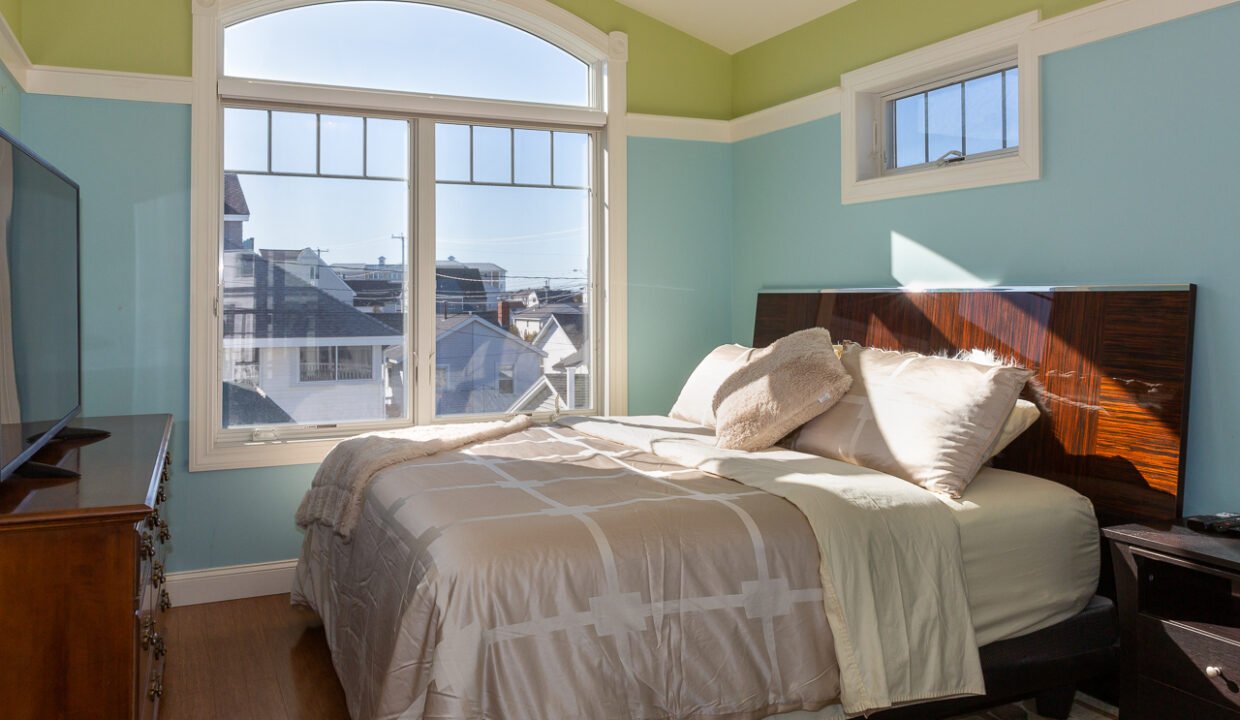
1179,612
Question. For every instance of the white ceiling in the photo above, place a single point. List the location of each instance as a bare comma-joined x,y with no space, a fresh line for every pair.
733,25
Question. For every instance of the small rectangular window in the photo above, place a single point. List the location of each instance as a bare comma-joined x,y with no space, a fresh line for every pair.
506,381
974,116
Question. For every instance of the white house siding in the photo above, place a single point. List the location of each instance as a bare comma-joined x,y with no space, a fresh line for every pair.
320,402
473,353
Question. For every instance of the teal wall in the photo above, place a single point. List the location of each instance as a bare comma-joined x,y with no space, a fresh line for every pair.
1139,167
10,103
132,161
680,261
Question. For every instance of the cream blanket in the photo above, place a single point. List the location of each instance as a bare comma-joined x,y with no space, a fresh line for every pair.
335,497
890,561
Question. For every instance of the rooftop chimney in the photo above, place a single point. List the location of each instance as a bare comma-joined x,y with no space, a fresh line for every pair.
382,261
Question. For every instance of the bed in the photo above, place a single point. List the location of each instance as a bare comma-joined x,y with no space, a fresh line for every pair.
626,567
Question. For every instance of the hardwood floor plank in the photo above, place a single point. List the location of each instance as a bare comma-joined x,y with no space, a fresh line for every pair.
253,658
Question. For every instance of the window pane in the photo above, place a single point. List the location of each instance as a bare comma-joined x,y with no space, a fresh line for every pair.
1012,86
247,130
572,159
910,135
341,145
408,47
983,114
293,142
945,121
355,362
452,152
314,289
533,157
512,273
492,154
387,148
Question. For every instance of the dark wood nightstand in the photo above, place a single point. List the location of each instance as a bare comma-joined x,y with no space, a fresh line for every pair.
1179,611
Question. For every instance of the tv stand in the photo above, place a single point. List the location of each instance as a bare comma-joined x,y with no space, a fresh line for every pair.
74,434
32,469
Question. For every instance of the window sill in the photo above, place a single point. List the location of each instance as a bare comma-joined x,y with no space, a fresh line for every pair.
997,171
242,455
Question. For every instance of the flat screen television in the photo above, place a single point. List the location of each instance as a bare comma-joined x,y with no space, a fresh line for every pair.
40,319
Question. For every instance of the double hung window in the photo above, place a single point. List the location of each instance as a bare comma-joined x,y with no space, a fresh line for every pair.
411,227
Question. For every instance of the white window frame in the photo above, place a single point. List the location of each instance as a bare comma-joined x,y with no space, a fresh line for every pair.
213,447
863,123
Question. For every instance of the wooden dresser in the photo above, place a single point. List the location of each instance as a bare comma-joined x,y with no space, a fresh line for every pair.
82,577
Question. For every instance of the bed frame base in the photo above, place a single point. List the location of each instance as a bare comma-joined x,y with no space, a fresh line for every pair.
1048,665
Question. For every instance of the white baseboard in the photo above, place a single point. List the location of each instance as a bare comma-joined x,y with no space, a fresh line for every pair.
234,582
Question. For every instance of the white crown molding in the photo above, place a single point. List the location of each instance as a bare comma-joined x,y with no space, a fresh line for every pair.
669,127
821,104
1103,20
233,582
108,85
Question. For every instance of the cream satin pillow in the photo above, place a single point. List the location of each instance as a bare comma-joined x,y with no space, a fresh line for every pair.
696,401
928,420
782,386
1022,417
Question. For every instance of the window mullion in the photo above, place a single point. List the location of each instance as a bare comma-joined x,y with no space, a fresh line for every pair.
421,301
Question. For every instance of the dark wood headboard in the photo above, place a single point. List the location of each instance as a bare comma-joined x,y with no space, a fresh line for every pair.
1113,368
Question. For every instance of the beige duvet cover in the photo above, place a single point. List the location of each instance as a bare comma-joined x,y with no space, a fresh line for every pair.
557,574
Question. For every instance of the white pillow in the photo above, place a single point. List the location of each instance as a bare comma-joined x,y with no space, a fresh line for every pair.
696,401
928,420
1022,417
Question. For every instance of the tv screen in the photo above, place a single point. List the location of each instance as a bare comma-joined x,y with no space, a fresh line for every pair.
40,379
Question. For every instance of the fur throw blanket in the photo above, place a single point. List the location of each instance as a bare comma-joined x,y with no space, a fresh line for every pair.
335,497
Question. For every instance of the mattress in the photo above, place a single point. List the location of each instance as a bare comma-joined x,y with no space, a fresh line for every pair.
1030,549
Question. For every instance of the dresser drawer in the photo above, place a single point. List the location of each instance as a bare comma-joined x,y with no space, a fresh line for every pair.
1196,662
1159,702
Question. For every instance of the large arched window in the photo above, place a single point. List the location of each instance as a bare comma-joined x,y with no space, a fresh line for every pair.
404,213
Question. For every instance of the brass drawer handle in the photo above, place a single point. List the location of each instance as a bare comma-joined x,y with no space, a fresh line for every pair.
165,602
156,690
148,632
157,574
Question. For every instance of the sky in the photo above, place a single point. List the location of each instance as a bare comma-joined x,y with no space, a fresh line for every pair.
538,234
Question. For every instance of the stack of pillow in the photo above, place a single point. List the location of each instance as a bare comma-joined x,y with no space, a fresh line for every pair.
933,421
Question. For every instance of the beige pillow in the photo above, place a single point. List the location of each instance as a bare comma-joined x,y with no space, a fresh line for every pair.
781,387
696,401
1022,417
928,420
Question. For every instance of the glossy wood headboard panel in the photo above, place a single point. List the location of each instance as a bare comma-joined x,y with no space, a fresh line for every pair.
1113,369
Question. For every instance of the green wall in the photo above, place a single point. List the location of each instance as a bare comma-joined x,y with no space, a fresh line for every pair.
812,57
670,73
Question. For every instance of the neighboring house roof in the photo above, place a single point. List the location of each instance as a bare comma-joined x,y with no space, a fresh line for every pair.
285,306
248,406
540,396
577,359
234,196
571,320
456,323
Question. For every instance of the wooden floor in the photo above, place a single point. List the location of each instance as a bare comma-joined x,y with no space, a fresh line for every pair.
254,659
261,659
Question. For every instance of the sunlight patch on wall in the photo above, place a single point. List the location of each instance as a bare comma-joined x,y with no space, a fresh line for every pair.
917,267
